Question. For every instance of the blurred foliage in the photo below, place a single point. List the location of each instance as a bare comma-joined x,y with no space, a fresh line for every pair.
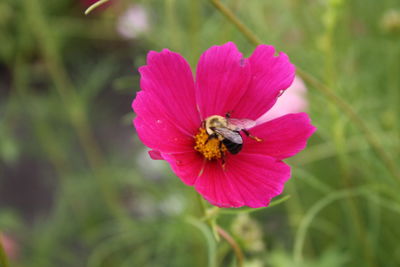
78,189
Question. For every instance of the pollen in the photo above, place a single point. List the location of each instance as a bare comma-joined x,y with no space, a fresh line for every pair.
211,149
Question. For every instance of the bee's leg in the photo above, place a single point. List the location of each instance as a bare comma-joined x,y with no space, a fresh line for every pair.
228,114
223,162
222,156
210,137
251,136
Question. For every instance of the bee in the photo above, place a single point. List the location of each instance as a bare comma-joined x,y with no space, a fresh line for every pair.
227,131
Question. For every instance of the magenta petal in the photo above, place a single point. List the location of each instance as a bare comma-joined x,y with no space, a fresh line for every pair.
270,74
282,137
187,166
155,129
217,188
258,178
248,180
222,79
155,155
171,106
168,79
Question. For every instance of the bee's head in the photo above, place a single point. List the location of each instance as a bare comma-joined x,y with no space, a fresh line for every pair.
213,122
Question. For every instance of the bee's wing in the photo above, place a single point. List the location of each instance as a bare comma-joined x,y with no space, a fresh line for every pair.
241,123
232,136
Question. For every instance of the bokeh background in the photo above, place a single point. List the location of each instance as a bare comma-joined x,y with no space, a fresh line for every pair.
77,187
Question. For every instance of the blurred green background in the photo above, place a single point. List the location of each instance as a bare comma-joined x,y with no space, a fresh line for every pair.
77,187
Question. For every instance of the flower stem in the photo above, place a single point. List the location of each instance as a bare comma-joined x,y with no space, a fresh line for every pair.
211,243
95,5
235,20
326,91
219,231
357,120
201,204
211,219
235,246
72,103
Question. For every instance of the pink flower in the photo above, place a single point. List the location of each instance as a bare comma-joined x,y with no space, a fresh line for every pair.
172,106
293,100
9,246
133,22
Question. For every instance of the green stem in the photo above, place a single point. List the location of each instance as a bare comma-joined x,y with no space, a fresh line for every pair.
211,220
326,91
357,120
219,231
201,204
172,24
313,212
95,5
72,103
357,226
63,83
232,17
211,244
234,245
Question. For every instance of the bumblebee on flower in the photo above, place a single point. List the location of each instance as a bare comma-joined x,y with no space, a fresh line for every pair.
226,131
207,128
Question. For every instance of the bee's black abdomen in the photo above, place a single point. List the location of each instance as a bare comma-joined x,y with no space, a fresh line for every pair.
232,147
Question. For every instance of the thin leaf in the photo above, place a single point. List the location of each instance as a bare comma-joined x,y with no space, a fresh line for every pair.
211,244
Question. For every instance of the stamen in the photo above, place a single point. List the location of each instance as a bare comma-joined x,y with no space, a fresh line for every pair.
255,138
211,149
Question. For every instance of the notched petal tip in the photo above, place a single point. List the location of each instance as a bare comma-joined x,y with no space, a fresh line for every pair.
142,69
227,48
135,101
307,122
284,57
229,45
154,56
265,49
243,62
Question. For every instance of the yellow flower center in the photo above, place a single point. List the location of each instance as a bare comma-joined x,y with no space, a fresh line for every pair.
211,149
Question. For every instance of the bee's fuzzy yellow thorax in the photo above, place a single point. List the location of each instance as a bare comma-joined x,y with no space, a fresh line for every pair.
210,150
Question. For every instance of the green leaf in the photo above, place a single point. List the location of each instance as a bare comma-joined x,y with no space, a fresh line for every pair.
211,243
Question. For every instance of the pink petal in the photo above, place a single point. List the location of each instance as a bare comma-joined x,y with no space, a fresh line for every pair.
187,166
218,188
156,129
168,79
155,155
270,74
248,179
222,79
282,137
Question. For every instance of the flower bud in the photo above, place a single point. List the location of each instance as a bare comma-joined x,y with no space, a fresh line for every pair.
390,22
249,232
